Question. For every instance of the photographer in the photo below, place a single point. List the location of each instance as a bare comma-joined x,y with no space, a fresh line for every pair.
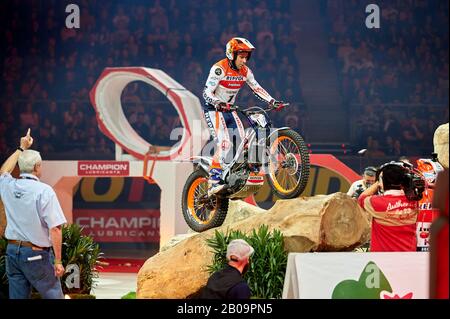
394,213
360,186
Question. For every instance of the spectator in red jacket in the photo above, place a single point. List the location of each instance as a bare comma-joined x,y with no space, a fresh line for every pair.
393,214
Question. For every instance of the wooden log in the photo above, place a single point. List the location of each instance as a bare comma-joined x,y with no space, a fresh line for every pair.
321,223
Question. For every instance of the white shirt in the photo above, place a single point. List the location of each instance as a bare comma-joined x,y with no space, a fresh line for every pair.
224,83
355,186
31,207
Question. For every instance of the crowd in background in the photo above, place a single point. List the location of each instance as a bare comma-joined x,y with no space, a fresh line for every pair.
49,69
394,79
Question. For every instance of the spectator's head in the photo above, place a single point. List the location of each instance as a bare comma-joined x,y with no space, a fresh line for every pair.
141,118
53,106
30,162
369,175
392,176
238,254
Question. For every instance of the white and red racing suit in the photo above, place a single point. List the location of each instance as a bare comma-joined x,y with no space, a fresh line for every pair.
222,85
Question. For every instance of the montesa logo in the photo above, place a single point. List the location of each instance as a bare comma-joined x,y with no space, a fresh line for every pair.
398,204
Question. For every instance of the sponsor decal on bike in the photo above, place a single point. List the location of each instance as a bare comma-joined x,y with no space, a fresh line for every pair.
255,179
225,145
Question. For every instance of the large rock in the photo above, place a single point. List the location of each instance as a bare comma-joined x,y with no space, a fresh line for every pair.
321,223
237,210
176,240
440,141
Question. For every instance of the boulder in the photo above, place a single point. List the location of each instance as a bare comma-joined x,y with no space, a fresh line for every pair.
440,142
321,223
239,210
176,240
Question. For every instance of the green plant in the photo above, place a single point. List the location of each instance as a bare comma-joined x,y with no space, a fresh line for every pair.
81,296
3,277
267,265
82,251
130,295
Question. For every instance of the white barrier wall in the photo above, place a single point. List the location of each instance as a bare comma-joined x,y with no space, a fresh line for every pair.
354,275
170,177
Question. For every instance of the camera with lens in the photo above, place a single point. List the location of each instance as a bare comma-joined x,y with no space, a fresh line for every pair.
359,190
412,182
414,186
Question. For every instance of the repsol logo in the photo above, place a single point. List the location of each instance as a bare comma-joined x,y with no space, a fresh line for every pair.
234,78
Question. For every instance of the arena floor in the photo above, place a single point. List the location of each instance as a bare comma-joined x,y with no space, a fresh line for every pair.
114,285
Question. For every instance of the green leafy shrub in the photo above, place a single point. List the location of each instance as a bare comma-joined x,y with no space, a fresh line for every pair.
267,265
76,249
82,251
3,278
130,295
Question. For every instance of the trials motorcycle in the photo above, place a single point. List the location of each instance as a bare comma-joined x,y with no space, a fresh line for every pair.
280,154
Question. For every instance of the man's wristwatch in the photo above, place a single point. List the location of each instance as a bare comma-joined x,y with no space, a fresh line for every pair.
57,261
20,149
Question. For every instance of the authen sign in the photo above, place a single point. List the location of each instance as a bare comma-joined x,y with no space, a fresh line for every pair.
103,168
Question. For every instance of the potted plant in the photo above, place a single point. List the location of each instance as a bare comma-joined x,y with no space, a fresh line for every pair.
265,276
3,278
80,255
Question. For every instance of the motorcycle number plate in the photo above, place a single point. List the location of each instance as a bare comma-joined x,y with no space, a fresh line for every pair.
260,119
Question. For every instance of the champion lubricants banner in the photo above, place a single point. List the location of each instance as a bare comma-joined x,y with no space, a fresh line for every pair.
120,225
118,210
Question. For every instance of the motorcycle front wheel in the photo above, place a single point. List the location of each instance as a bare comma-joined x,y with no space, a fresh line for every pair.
288,165
200,212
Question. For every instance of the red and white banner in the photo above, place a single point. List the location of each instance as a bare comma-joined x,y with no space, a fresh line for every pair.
126,226
103,168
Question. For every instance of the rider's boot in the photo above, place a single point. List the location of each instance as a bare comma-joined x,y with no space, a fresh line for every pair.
215,182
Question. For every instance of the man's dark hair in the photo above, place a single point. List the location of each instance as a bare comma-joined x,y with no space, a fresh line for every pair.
394,177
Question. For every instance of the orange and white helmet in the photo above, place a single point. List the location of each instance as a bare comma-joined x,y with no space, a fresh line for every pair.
237,45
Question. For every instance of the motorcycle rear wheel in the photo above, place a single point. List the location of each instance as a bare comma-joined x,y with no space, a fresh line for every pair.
200,212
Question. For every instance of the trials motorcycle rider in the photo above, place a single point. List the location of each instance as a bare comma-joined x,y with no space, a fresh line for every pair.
225,79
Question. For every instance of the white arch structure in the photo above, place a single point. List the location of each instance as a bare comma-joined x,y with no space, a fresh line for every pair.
171,168
105,97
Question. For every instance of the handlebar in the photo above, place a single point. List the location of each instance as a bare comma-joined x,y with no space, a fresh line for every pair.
248,110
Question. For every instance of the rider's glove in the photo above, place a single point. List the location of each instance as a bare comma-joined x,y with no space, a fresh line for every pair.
223,107
277,105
